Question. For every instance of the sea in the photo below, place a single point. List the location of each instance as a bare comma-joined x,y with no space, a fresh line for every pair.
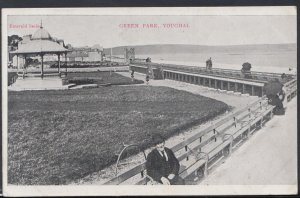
277,62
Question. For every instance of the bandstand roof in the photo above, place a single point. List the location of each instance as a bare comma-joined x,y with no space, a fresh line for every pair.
41,42
40,46
41,34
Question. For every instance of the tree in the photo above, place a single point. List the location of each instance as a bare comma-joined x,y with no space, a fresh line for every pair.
246,70
14,40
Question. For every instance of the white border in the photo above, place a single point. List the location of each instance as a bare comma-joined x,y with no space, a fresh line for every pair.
12,190
239,10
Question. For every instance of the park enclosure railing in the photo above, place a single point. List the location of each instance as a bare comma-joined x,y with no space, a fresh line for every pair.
291,89
253,88
222,79
200,152
230,73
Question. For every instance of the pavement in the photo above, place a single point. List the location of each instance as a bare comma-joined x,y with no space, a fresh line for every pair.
269,157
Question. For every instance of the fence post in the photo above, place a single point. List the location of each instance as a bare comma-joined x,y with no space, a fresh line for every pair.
249,130
214,130
186,150
260,105
236,87
234,120
230,147
249,111
205,169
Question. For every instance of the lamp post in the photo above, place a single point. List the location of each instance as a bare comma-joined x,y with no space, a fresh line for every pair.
66,63
110,60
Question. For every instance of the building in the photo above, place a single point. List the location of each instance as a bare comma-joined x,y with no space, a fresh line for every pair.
40,45
29,40
85,54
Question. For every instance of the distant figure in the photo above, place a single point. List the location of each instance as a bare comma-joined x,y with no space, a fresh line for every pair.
209,64
278,102
162,165
147,78
275,92
148,60
283,76
132,75
290,69
246,70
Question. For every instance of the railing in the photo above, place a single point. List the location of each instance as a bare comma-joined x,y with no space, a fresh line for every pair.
237,74
208,145
291,89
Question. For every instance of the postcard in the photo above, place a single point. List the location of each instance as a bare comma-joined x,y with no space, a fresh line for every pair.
135,100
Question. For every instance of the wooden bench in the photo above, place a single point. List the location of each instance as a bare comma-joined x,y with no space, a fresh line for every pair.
218,143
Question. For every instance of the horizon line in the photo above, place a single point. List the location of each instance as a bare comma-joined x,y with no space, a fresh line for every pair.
203,45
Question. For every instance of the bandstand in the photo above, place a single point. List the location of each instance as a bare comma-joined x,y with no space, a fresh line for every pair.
41,44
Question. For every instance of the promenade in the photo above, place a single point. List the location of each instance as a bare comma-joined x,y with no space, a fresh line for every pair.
256,154
269,157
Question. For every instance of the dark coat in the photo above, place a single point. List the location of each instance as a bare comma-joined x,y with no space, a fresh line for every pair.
158,167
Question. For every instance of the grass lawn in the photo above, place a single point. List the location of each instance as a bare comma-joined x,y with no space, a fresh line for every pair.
101,78
55,137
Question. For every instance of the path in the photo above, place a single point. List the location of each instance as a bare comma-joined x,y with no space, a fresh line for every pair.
229,98
269,157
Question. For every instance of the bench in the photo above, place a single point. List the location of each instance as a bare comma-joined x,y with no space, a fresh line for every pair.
197,155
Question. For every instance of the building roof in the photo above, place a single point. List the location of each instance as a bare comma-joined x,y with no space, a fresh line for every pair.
40,42
41,34
40,46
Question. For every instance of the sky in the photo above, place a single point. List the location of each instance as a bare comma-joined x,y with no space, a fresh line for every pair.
109,31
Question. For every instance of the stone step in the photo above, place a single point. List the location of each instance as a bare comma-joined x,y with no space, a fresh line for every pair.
237,93
247,95
86,86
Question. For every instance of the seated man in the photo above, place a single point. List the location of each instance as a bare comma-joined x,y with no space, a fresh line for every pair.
162,165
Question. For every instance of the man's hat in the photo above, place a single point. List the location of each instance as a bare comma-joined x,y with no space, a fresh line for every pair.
157,138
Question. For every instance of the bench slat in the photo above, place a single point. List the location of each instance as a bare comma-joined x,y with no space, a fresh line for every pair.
126,175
